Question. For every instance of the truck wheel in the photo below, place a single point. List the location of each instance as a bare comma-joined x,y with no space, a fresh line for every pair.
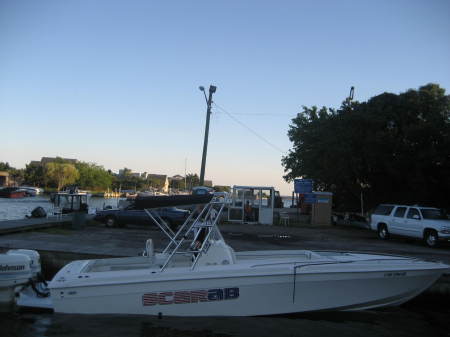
383,232
110,221
431,238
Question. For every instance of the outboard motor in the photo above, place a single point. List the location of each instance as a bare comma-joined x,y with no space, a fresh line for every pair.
32,281
15,272
35,259
38,212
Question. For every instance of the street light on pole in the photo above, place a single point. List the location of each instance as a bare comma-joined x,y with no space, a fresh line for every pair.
212,90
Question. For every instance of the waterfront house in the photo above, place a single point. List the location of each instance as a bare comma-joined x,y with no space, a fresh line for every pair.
4,178
159,180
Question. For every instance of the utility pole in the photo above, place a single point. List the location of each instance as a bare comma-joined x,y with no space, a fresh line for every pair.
352,92
350,96
185,163
212,90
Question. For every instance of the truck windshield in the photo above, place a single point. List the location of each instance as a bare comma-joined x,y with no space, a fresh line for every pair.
434,213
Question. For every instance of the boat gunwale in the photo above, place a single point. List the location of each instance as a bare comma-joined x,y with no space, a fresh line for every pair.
282,272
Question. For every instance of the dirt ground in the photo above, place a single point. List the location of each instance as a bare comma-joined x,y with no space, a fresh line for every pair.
129,241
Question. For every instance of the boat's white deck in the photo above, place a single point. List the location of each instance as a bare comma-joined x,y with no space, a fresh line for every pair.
135,263
249,258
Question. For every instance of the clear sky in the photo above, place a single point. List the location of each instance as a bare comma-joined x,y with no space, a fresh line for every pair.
116,82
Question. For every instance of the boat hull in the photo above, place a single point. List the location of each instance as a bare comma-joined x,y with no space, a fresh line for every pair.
295,291
13,195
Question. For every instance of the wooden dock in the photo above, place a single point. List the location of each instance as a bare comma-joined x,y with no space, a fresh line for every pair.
20,225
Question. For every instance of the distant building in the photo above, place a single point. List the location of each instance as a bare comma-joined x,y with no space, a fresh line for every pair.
136,174
45,160
208,183
159,179
4,178
177,182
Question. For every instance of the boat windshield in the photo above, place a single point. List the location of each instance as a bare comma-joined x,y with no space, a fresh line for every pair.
434,214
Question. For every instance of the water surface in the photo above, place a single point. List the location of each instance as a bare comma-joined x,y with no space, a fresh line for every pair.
11,209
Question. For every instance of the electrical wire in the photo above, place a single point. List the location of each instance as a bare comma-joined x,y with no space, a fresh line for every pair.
248,128
261,114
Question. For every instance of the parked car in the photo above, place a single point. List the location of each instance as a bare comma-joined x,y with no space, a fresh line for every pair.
202,190
119,217
427,223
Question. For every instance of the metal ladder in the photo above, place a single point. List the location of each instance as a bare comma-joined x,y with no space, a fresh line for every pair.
203,224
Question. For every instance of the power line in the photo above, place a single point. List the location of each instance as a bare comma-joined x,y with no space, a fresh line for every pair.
261,114
249,129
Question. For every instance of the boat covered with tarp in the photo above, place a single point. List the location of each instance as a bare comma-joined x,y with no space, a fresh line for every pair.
148,202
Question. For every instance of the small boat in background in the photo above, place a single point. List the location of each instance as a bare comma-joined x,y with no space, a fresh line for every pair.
30,190
12,192
70,201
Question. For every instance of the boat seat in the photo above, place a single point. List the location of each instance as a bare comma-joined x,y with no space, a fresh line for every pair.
149,250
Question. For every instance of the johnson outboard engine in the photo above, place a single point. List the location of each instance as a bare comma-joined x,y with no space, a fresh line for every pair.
15,272
19,269
34,257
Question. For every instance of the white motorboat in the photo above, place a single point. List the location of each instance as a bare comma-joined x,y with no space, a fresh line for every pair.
198,274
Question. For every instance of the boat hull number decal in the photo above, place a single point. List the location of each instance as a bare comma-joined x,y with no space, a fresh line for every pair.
395,274
190,296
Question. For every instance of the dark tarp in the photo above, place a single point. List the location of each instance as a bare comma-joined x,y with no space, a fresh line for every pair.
170,201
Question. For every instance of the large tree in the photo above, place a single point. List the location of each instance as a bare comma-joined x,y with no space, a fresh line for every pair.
177,184
192,180
4,166
35,175
392,148
17,175
61,174
93,176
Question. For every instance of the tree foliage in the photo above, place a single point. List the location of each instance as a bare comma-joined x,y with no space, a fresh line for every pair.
219,188
35,175
61,174
17,175
4,166
93,176
192,180
127,181
177,184
392,148
155,182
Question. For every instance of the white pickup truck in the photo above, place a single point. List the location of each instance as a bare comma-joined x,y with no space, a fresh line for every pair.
430,224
